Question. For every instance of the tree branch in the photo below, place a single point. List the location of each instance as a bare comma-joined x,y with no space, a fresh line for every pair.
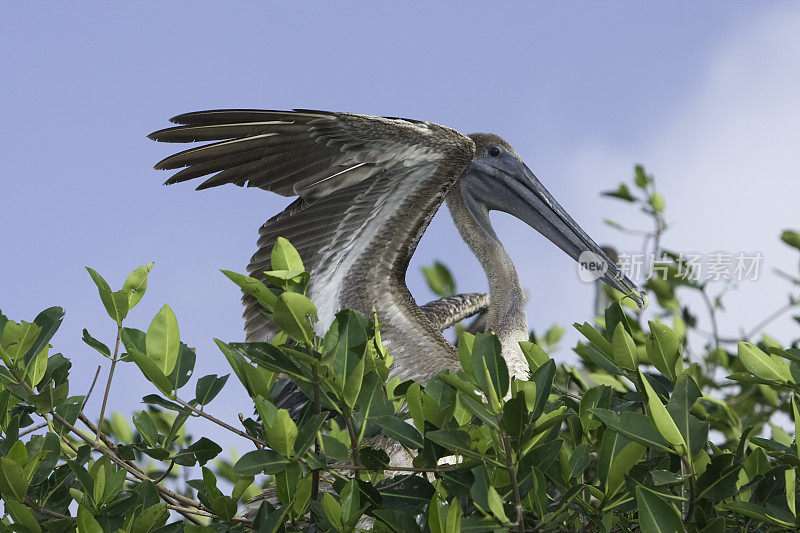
210,418
512,474
114,360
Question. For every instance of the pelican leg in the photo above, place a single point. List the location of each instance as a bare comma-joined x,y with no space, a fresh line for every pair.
451,310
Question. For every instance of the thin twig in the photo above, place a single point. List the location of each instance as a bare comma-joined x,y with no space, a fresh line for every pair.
108,442
317,410
119,461
32,429
91,387
512,474
167,495
210,418
394,483
712,313
163,476
764,323
186,510
44,510
690,471
353,440
342,467
108,382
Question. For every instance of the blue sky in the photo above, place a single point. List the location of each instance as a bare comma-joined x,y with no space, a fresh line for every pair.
703,93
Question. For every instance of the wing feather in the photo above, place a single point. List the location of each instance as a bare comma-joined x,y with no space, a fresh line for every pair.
363,183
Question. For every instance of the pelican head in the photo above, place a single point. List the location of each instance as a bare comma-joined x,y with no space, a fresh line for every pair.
498,179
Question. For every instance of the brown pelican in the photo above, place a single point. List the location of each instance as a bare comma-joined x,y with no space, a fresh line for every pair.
367,188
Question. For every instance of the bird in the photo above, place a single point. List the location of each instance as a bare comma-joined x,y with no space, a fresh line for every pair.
366,189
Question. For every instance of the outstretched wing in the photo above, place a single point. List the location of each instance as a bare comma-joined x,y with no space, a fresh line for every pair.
365,185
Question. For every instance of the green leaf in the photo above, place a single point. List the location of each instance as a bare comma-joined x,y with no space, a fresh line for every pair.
184,366
48,321
439,279
86,522
282,433
397,521
36,368
285,257
641,179
496,505
151,371
400,431
602,360
661,417
151,518
454,514
792,238
258,461
345,342
465,342
116,303
208,387
760,513
241,486
655,514
238,364
761,365
136,284
19,338
371,402
478,409
407,493
203,450
437,513
718,482
163,340
332,510
13,483
96,344
624,348
456,441
352,384
616,457
307,432
579,460
351,503
542,379
147,428
621,193
489,366
635,426
99,476
664,350
134,339
595,337
291,314
254,288
694,432
657,202
23,518
534,354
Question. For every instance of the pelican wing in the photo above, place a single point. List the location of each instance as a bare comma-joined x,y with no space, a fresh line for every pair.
367,188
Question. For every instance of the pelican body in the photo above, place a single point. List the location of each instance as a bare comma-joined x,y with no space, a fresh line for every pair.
367,187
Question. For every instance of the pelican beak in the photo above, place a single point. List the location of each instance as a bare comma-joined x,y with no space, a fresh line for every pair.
527,199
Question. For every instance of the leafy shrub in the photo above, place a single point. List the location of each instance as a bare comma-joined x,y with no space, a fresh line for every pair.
640,436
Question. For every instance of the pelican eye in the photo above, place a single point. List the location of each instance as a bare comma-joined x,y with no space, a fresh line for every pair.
494,151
